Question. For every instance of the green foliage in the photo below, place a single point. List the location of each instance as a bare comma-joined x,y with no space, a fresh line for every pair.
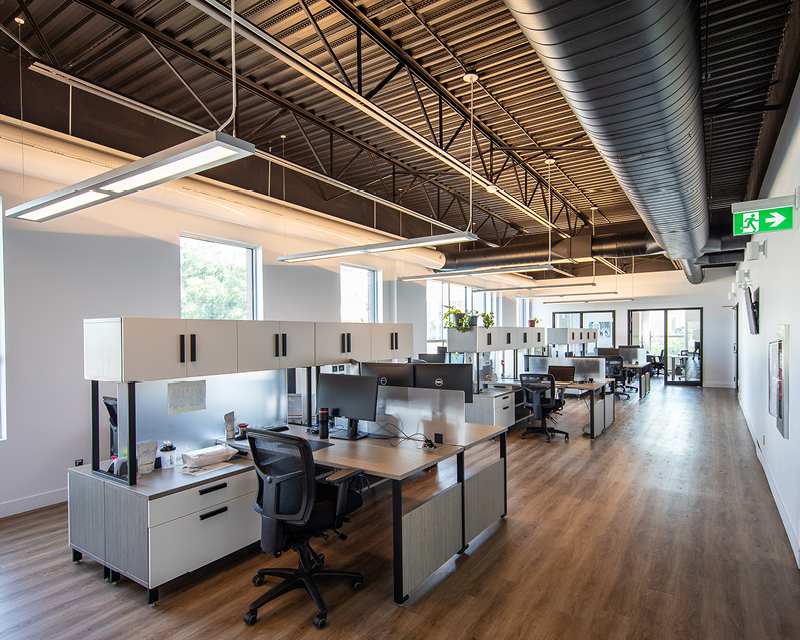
214,280
488,319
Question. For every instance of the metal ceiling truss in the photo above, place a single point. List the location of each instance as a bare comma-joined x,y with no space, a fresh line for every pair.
154,36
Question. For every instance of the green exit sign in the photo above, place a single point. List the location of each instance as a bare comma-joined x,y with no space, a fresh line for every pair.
772,219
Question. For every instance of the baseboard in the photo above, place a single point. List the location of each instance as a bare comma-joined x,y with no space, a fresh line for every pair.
719,385
29,503
794,540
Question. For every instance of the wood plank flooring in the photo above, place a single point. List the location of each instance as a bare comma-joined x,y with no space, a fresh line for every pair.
662,528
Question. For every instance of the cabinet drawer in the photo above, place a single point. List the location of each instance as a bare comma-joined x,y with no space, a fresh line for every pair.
206,495
504,415
193,541
506,398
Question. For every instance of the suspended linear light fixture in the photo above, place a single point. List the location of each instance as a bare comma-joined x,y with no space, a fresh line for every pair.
396,245
463,273
205,152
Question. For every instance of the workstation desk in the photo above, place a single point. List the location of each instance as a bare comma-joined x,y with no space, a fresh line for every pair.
171,523
601,414
643,374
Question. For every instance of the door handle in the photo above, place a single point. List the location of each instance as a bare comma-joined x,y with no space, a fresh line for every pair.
277,345
193,347
182,343
283,345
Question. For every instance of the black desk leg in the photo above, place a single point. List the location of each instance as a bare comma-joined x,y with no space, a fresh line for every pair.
115,577
152,596
397,540
77,556
591,413
460,480
503,455
106,574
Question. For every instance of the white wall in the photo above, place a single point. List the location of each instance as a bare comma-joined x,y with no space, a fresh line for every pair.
121,259
776,277
660,290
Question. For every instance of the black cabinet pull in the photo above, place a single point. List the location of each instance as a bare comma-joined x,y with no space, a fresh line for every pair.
213,513
344,343
391,341
488,339
524,337
182,343
277,345
283,344
193,347
349,344
508,338
506,407
216,487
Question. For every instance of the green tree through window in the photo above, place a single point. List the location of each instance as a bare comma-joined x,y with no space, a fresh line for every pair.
216,280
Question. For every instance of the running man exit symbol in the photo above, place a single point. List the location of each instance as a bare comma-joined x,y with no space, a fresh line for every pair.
750,222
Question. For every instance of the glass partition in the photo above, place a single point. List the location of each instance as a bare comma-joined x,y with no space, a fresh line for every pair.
672,337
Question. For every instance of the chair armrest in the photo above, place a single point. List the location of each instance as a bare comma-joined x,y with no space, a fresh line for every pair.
343,474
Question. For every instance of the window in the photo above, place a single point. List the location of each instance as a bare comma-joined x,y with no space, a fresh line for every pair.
217,279
441,294
359,294
603,321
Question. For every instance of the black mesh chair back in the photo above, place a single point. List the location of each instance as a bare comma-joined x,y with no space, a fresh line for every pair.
614,368
286,478
538,391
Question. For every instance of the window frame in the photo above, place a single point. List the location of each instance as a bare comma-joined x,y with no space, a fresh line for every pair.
255,274
376,278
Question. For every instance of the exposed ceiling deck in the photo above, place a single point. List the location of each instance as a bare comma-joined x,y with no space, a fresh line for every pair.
407,60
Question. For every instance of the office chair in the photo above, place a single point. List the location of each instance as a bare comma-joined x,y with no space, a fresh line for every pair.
542,398
657,363
294,507
614,369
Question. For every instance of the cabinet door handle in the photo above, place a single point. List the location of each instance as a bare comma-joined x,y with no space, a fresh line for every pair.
283,345
182,343
508,338
396,340
211,514
216,487
344,343
488,339
277,345
349,345
193,347
524,337
391,341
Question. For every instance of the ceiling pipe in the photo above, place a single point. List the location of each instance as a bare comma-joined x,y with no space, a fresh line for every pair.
630,71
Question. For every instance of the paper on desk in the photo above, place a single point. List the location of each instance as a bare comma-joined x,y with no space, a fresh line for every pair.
186,396
199,471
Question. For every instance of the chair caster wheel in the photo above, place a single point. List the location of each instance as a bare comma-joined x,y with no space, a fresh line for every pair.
357,585
258,580
319,622
250,618
566,438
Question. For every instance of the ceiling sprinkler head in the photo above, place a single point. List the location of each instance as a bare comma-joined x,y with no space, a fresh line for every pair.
469,78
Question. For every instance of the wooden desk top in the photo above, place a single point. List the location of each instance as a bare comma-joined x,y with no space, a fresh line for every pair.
591,386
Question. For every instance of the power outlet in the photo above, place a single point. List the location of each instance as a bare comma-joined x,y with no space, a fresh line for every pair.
79,462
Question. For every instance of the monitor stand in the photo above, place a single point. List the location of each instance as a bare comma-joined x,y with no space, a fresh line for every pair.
352,432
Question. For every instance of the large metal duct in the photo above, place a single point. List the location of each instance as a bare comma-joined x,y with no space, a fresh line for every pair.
630,71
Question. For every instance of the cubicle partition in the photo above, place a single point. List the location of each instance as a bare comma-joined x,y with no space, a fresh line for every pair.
633,355
585,368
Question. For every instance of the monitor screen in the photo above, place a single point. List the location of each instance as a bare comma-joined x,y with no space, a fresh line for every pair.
433,357
390,374
561,373
445,376
351,397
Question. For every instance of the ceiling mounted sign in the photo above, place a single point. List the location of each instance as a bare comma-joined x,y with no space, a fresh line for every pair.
759,216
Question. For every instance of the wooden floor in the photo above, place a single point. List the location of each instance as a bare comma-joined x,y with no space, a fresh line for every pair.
664,527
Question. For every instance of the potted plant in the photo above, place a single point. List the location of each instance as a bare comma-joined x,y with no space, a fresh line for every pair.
455,318
534,321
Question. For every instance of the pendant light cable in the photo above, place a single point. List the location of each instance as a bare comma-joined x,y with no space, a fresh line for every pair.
233,73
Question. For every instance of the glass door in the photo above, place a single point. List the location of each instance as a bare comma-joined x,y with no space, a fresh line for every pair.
684,346
672,337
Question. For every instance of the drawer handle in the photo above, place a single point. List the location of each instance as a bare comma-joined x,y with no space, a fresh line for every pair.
506,407
216,487
213,513
505,397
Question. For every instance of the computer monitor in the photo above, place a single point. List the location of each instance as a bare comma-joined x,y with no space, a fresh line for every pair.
390,374
439,358
445,376
351,397
561,373
607,351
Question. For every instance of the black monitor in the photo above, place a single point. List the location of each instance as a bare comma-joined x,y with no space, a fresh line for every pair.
445,376
439,358
607,351
390,374
351,397
561,373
